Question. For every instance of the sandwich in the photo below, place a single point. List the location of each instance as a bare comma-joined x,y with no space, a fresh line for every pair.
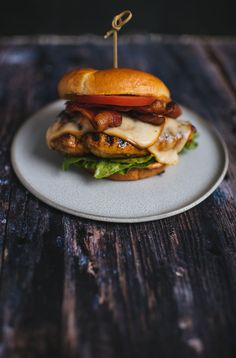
119,124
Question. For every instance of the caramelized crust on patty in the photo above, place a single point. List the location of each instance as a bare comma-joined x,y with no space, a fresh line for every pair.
106,146
68,143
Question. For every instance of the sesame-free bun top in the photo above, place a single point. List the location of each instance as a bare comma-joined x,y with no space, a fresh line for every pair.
114,81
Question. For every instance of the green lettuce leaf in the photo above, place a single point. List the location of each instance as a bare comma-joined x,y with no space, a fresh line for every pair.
103,167
192,144
84,162
106,167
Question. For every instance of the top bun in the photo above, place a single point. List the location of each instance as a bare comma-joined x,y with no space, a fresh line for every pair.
114,81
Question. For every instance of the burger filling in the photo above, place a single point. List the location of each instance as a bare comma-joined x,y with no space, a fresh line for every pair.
108,138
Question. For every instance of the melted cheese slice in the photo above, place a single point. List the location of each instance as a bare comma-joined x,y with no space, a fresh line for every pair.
169,157
57,129
141,134
173,138
134,131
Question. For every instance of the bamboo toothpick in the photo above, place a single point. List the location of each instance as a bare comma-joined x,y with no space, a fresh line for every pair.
117,23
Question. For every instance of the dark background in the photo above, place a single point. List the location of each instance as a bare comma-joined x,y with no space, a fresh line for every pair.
201,17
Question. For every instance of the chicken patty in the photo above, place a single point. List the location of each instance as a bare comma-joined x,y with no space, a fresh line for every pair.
68,143
107,146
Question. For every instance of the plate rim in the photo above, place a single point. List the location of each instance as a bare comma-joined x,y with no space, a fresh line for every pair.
120,219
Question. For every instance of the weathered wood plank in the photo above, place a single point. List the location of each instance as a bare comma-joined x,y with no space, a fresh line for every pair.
31,284
72,287
224,53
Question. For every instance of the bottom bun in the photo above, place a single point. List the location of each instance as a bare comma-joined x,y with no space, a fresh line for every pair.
137,174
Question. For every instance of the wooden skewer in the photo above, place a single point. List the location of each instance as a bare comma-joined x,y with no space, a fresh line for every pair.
115,49
117,23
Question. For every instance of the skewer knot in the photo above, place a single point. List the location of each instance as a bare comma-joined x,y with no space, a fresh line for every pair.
119,21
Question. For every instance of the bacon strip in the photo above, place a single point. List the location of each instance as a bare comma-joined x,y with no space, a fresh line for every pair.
152,118
173,110
170,109
107,119
100,120
86,112
158,107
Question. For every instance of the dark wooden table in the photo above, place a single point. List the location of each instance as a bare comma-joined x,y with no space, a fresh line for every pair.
74,287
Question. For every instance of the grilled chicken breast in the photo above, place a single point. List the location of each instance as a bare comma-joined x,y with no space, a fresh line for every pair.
68,143
76,136
107,146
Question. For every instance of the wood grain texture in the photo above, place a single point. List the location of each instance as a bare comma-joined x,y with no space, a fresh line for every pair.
74,287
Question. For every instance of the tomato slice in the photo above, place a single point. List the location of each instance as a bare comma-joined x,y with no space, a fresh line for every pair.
132,101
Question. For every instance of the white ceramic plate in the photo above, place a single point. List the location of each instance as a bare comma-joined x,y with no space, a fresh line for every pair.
180,188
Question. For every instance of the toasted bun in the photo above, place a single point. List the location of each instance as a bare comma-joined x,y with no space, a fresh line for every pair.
137,174
114,81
